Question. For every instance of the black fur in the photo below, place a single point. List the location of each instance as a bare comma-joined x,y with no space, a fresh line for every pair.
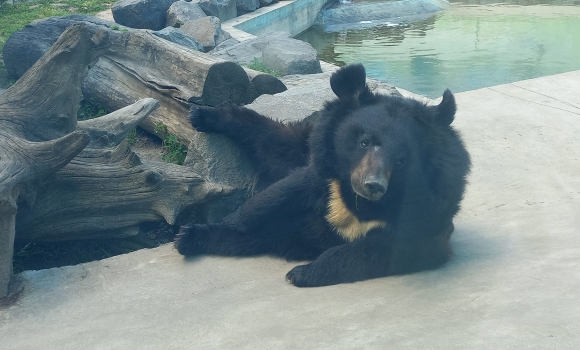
397,162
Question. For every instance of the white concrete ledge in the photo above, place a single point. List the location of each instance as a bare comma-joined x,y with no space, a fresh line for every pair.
293,17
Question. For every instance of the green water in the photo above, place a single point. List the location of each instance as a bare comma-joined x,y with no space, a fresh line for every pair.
466,47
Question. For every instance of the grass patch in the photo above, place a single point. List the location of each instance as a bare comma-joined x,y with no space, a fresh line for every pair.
133,137
174,151
258,64
88,110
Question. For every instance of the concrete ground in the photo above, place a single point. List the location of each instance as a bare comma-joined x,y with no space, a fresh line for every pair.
514,282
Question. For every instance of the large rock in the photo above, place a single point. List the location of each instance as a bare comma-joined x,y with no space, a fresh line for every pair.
291,56
305,96
222,9
245,6
141,14
177,36
225,45
246,51
263,83
23,48
182,11
346,15
207,31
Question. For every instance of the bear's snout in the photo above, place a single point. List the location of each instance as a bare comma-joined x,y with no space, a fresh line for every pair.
376,186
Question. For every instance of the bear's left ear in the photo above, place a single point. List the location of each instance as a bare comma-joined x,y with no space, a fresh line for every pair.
349,82
445,111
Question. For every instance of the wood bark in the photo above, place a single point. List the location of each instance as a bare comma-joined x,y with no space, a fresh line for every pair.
105,193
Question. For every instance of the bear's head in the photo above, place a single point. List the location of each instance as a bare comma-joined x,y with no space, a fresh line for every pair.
371,142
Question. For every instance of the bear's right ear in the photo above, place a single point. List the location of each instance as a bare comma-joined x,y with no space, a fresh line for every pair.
446,109
349,82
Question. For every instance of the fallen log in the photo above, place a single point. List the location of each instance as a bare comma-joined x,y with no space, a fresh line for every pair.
141,64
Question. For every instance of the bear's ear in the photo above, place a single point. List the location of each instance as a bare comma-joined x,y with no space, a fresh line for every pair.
446,109
349,82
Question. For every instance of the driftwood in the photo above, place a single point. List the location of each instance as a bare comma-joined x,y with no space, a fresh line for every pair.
37,116
61,179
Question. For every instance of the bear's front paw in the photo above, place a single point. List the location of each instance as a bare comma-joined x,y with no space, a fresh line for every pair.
192,239
304,276
203,118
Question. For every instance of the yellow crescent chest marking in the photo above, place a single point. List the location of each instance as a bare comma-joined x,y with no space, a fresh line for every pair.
343,220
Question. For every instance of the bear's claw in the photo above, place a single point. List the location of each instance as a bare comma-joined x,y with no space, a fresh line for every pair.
188,242
299,277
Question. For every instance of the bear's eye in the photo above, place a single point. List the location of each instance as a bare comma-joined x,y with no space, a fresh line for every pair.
364,144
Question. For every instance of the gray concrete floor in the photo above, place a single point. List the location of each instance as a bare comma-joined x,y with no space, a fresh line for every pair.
514,282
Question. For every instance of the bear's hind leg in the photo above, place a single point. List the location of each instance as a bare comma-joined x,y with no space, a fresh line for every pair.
194,239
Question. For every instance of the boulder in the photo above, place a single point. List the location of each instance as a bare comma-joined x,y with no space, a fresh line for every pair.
305,96
263,83
222,9
141,14
182,11
291,56
245,6
343,16
23,48
177,36
246,51
207,31
225,45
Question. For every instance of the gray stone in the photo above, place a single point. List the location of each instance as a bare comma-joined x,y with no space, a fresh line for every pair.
222,9
182,11
245,6
207,31
226,44
263,83
179,37
291,56
141,14
246,51
305,96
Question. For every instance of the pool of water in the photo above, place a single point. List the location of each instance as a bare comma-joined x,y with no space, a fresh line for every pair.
471,45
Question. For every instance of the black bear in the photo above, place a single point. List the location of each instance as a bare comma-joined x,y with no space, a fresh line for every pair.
369,190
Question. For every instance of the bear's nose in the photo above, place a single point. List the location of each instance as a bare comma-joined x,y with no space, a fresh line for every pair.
375,185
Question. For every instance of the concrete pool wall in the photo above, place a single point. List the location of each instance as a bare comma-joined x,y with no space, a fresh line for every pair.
293,17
